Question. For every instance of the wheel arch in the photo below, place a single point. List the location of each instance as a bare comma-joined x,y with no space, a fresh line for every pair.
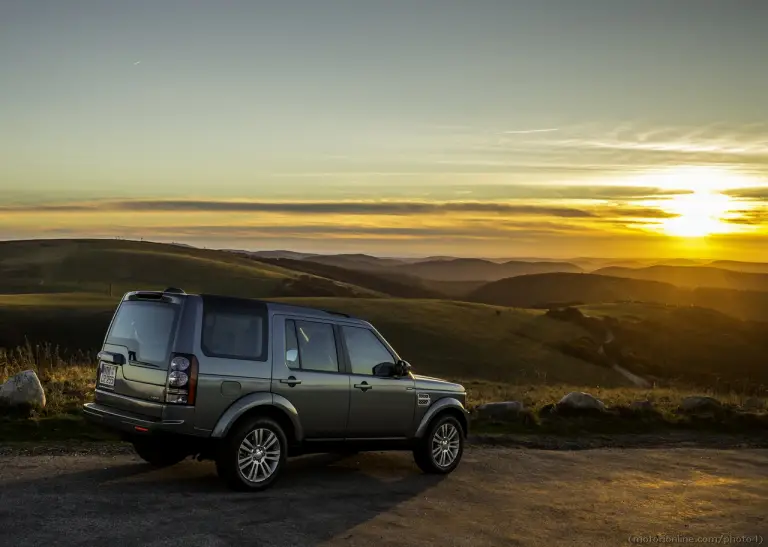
269,405
442,407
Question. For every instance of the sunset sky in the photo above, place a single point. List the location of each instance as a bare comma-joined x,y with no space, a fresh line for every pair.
402,127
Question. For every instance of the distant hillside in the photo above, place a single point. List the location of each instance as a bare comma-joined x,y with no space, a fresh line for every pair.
116,266
683,343
694,276
753,267
547,290
356,261
476,269
274,254
392,284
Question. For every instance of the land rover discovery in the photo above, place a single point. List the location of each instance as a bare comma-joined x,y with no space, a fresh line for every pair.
248,383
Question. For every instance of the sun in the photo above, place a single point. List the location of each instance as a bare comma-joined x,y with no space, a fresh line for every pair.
702,207
699,214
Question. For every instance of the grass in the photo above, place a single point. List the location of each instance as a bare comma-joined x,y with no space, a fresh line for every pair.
69,382
465,340
115,266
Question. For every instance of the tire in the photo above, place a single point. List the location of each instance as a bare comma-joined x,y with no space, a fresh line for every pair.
159,453
267,459
440,459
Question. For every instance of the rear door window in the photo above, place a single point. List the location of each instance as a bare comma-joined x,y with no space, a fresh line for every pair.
147,329
234,329
317,346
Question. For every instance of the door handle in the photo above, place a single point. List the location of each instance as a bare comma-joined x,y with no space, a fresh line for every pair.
291,381
365,386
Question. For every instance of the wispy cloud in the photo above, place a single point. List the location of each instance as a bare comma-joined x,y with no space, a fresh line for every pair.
757,193
396,208
530,131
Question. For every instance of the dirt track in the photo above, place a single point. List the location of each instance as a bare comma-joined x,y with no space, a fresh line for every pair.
499,496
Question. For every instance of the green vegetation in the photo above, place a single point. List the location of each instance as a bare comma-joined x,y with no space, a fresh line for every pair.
693,276
560,289
475,341
384,281
113,267
69,382
55,304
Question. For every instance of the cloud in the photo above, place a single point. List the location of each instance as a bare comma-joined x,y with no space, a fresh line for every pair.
397,208
640,212
529,131
757,193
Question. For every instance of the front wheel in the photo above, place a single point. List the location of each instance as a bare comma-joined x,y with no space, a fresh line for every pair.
441,448
253,455
159,453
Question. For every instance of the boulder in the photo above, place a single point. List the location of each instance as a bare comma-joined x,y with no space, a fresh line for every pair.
577,400
641,405
23,390
754,403
501,410
698,403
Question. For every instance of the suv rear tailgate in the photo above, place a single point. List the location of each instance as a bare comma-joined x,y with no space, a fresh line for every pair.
137,351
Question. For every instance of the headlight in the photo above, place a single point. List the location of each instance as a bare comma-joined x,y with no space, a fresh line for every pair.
180,363
178,379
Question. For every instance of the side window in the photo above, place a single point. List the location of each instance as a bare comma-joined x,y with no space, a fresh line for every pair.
234,330
365,350
317,346
291,345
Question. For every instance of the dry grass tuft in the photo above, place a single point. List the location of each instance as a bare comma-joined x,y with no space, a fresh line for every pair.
68,381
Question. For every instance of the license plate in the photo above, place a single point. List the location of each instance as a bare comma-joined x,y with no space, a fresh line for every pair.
107,376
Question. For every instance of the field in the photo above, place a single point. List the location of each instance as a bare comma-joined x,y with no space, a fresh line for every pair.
113,267
57,298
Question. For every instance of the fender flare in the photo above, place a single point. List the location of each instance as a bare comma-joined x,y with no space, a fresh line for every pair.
255,400
439,406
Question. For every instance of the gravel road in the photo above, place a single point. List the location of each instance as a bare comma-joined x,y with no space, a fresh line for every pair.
498,496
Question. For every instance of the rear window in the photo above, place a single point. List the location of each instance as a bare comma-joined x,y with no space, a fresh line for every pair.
234,329
146,329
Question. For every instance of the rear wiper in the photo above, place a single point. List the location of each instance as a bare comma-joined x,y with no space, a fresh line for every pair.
142,363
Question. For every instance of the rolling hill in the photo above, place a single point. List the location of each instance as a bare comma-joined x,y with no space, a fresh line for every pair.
686,343
560,289
384,281
476,269
753,267
458,340
116,266
694,276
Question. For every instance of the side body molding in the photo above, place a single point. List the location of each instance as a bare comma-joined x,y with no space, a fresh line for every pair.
254,400
438,406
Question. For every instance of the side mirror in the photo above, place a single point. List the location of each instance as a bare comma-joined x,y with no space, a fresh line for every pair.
291,355
402,368
384,370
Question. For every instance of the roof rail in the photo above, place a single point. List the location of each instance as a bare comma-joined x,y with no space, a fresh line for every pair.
337,313
174,290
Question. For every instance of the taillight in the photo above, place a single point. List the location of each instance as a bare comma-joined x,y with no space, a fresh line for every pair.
182,380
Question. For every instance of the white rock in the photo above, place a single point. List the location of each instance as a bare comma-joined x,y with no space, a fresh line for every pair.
23,389
697,402
500,409
577,400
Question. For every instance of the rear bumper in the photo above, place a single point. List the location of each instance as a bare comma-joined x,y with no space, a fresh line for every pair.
128,422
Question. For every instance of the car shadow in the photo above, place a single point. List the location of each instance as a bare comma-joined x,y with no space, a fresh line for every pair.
318,497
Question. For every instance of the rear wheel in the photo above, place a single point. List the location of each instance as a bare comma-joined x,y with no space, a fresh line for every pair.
253,455
441,448
159,452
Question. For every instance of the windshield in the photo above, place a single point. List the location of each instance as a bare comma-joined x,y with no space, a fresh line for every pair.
146,329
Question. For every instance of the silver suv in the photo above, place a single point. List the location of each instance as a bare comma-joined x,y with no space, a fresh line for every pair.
248,383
